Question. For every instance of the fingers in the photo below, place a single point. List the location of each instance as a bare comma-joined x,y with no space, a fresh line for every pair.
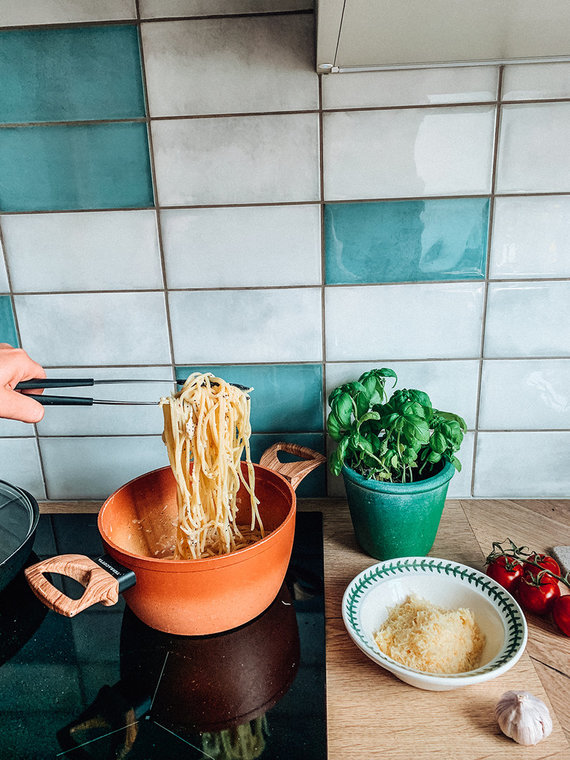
16,366
17,406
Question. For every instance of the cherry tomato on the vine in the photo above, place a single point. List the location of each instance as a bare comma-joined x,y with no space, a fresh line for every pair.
537,596
546,563
506,571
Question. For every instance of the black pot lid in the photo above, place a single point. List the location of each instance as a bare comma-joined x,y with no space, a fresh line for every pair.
18,519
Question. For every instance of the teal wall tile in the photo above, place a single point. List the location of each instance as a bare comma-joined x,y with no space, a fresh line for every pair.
286,397
406,241
70,74
315,483
8,332
87,166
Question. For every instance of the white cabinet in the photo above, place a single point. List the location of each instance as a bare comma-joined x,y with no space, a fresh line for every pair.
377,34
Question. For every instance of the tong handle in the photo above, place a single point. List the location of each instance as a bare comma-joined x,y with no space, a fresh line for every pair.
54,382
46,400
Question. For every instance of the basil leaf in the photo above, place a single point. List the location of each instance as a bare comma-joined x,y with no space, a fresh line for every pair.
343,408
438,442
416,427
421,397
335,465
334,428
452,417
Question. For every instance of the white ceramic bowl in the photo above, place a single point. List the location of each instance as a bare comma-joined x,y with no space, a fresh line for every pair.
448,584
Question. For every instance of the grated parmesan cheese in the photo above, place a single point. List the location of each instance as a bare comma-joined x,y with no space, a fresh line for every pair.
426,637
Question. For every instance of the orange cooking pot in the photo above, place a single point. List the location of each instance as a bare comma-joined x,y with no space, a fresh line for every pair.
188,597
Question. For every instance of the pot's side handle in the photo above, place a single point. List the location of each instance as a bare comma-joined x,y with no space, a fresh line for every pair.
100,586
293,471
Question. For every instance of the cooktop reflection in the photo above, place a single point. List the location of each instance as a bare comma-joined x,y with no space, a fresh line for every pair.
104,685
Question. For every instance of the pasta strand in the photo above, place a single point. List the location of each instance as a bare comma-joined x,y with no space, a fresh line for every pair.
206,430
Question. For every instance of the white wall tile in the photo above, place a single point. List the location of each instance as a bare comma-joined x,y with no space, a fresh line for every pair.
109,419
408,152
460,483
533,148
536,80
372,89
451,385
247,159
83,251
459,486
246,246
528,319
173,8
231,65
522,465
403,321
531,237
246,326
92,468
4,285
525,395
16,429
21,465
64,11
86,329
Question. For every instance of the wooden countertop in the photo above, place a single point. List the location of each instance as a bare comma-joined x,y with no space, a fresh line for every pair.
371,714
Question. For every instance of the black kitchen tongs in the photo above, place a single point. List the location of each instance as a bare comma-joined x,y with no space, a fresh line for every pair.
81,382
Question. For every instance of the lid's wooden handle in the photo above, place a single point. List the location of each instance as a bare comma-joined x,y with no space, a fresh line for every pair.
100,586
293,471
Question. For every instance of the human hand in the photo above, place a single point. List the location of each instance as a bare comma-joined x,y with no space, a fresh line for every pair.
15,366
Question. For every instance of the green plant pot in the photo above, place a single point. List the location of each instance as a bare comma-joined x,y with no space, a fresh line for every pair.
396,519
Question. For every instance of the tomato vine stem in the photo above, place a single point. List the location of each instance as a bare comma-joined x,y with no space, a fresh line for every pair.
523,554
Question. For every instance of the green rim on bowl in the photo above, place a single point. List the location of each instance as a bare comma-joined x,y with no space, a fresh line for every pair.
508,609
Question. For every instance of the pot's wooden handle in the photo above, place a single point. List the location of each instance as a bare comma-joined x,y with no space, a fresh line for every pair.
100,586
293,471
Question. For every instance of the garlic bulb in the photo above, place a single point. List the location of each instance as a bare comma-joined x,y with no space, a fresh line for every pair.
523,717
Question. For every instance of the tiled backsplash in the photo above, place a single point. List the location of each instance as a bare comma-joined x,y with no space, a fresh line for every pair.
180,191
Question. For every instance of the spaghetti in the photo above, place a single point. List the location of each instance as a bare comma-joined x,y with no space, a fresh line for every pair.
206,430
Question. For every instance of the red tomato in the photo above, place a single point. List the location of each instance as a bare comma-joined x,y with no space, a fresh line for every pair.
506,571
561,613
546,563
537,596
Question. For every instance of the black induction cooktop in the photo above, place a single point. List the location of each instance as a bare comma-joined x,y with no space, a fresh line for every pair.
104,685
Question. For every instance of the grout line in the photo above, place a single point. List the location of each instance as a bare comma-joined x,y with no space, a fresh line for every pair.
496,138
308,362
155,196
19,336
237,115
314,286
157,434
311,202
456,104
285,112
72,122
323,272
138,21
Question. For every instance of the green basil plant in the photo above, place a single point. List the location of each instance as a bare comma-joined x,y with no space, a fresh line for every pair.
397,439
